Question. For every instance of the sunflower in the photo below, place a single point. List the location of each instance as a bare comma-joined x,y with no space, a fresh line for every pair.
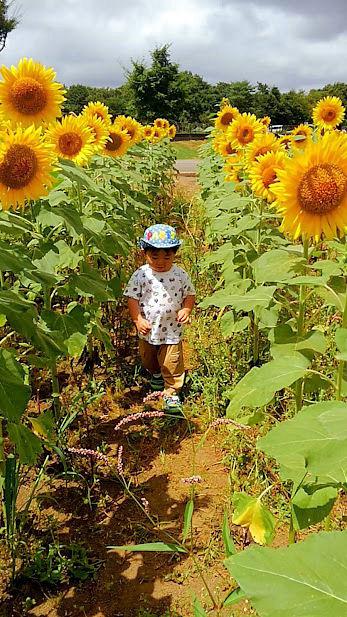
157,134
72,139
29,94
221,145
131,126
147,131
99,130
244,130
261,145
285,141
162,123
26,165
234,168
266,121
171,131
328,113
312,189
225,117
302,131
118,141
97,109
263,174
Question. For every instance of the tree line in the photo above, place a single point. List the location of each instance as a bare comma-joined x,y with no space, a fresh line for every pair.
163,90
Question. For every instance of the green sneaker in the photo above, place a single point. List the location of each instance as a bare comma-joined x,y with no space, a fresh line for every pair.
172,404
157,382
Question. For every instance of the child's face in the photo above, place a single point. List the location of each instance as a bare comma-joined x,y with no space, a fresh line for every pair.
160,260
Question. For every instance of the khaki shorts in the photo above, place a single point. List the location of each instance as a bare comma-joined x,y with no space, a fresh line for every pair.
165,359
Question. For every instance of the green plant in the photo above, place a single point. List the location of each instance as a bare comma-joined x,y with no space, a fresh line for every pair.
54,564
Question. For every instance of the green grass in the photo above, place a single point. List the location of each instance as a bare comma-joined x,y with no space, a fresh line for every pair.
187,149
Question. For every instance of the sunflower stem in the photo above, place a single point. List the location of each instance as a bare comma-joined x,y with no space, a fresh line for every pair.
47,300
300,327
340,370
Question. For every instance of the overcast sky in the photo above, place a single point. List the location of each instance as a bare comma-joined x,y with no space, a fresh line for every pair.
288,43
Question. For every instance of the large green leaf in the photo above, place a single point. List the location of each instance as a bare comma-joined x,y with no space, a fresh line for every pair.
240,299
303,580
259,385
27,444
311,506
287,341
58,257
314,441
13,259
229,325
89,284
14,392
276,266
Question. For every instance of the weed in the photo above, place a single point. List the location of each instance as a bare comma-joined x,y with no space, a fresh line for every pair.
56,563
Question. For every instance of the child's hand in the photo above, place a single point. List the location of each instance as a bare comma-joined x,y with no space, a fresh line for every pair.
183,315
142,325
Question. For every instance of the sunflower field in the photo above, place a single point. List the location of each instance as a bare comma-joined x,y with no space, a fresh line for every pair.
276,210
264,239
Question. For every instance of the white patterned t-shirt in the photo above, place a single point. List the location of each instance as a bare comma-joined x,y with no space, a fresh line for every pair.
160,296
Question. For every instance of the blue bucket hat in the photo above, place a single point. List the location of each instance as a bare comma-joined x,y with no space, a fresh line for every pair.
160,237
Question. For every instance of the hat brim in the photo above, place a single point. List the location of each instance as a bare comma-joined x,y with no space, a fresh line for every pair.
145,244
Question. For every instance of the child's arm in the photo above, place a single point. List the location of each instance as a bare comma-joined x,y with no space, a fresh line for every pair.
142,325
187,307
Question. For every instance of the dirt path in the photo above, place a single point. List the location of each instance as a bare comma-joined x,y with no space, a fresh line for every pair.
187,165
157,458
187,175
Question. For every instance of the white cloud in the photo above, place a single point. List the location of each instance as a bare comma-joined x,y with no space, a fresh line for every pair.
293,45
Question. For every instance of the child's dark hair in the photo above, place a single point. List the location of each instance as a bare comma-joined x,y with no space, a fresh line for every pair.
148,247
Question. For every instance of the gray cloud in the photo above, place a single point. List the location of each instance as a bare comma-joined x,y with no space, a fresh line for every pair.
297,44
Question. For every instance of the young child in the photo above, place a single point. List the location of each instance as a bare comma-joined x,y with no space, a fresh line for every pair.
161,297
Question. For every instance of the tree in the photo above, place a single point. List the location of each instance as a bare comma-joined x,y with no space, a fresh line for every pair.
76,97
295,108
7,24
239,93
267,102
155,90
197,98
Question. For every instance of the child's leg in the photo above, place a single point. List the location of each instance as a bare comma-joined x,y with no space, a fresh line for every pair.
149,356
172,367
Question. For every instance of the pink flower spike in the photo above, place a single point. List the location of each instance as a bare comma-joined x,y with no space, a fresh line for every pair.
120,461
153,396
88,452
221,421
134,417
192,480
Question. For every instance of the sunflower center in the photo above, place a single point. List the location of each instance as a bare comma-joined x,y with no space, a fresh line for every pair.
70,144
28,96
131,132
115,141
328,115
261,151
18,167
229,149
268,176
99,115
245,134
227,118
322,188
